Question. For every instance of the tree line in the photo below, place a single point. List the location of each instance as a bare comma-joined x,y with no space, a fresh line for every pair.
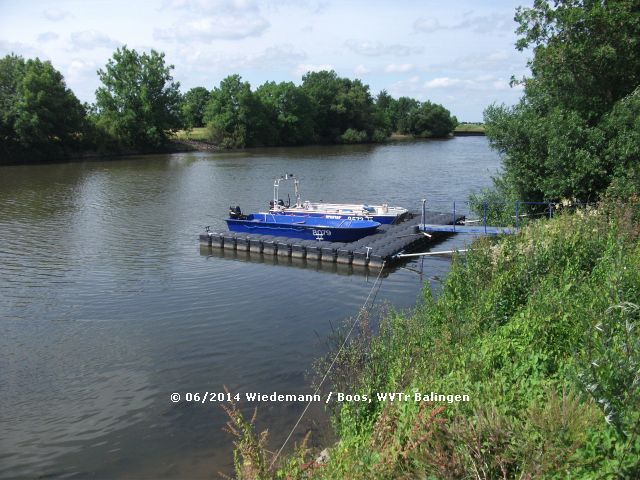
139,107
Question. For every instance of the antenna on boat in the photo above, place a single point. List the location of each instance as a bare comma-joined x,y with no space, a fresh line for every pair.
296,187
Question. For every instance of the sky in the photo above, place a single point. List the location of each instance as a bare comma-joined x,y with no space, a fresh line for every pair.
459,53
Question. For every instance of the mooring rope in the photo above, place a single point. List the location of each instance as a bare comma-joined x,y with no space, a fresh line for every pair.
355,322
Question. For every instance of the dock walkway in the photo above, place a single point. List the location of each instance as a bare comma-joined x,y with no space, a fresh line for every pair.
473,229
373,250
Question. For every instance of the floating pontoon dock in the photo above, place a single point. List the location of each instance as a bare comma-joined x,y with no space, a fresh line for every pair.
373,250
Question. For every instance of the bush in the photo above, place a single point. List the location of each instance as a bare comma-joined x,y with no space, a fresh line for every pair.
353,136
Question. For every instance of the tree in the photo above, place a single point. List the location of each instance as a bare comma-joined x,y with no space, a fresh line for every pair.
39,115
287,113
585,53
400,113
193,106
322,89
233,115
562,138
11,73
138,102
338,104
384,112
431,120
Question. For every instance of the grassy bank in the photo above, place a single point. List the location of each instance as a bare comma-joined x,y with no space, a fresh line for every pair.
200,134
539,329
473,128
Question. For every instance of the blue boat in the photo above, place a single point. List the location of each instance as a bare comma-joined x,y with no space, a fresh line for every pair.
307,228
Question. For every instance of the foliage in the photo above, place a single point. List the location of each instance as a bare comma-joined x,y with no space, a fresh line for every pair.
337,104
540,329
139,107
497,205
611,366
192,107
38,113
288,114
409,116
585,54
138,102
325,108
575,129
384,118
251,459
401,111
233,114
430,120
352,135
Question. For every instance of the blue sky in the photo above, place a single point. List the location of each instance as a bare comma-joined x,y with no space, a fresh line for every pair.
458,53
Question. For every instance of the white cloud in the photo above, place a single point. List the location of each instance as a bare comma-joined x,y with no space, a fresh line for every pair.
19,48
498,60
477,24
479,83
47,37
236,6
81,69
376,49
361,70
399,67
303,68
407,88
90,39
427,25
444,82
276,56
230,27
55,14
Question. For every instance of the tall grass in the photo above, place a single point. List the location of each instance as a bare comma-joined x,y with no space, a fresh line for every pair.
540,329
198,134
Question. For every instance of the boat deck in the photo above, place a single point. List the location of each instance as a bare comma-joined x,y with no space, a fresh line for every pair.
373,250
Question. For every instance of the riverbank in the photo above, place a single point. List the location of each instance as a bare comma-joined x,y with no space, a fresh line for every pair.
469,129
195,140
174,146
539,329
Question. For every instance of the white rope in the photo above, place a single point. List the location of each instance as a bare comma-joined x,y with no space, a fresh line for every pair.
355,322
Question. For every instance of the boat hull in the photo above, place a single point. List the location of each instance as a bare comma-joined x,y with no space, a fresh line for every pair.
303,227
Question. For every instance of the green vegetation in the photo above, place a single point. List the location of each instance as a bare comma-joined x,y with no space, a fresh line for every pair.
470,127
38,113
408,116
577,127
192,107
139,108
138,102
324,109
198,134
540,329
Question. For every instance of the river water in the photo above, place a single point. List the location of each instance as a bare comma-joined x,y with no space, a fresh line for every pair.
108,305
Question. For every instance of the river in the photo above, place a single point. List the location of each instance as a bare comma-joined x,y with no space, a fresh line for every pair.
108,305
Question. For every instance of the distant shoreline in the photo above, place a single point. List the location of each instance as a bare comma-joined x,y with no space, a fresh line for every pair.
184,144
